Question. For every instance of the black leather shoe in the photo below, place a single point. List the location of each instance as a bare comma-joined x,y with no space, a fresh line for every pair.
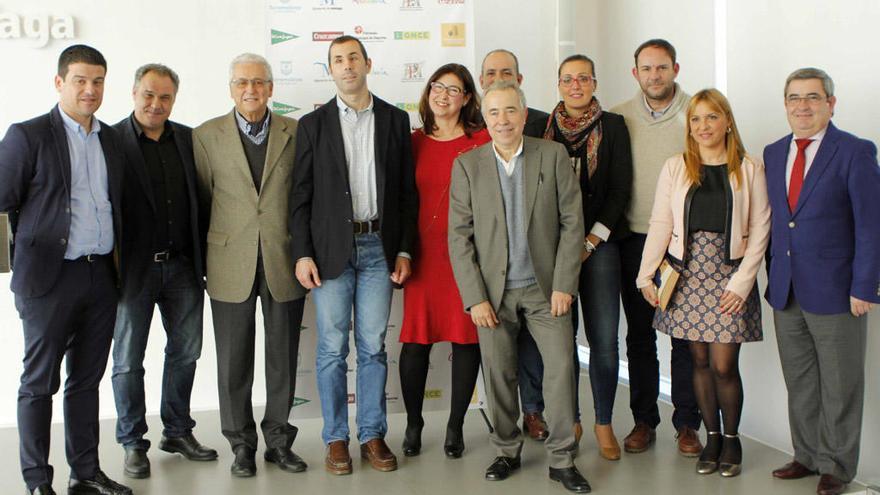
100,484
571,479
502,467
137,465
454,444
412,440
42,490
189,447
285,459
244,465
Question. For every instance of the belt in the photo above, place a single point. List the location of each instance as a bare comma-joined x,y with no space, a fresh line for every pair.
365,227
163,256
91,258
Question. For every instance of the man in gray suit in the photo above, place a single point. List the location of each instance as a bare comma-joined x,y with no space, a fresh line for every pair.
516,233
244,161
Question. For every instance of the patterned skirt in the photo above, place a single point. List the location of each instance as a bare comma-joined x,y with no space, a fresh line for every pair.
693,314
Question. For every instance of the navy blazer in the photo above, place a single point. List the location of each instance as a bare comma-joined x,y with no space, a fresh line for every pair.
828,249
35,190
320,204
139,206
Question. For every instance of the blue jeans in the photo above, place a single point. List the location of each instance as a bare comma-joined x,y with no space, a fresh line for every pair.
365,286
172,286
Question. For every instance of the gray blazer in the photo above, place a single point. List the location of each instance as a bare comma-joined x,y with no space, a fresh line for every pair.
478,228
240,218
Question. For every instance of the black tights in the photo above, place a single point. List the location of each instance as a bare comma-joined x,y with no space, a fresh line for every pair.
414,361
718,387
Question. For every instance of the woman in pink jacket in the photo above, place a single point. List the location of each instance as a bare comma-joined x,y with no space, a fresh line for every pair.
711,220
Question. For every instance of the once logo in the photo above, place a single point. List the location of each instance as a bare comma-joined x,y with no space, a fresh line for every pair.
39,28
412,35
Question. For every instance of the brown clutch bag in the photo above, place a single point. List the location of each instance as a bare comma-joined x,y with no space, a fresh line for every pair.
668,276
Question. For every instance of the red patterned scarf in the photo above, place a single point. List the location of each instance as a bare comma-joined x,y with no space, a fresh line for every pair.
577,131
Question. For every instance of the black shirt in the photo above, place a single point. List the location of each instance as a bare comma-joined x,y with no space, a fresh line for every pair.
709,204
165,170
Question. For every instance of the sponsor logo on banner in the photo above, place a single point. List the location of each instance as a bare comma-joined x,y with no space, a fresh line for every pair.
452,34
391,398
327,5
287,75
411,5
368,36
298,401
351,398
285,6
322,72
283,108
326,35
434,393
281,36
368,2
37,28
412,72
379,71
408,107
412,35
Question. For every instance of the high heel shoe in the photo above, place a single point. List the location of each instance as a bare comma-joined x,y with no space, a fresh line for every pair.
732,464
609,448
453,446
708,462
412,440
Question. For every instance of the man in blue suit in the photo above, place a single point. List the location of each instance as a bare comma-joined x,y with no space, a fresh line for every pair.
61,182
824,277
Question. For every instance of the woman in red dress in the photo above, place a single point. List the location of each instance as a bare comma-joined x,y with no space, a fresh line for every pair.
450,111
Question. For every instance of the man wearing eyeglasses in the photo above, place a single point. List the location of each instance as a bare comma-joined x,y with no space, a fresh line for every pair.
244,161
824,277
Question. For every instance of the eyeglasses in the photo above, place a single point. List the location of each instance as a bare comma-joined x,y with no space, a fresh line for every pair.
242,83
439,87
810,99
582,79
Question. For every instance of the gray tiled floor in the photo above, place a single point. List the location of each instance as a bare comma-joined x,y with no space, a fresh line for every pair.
658,471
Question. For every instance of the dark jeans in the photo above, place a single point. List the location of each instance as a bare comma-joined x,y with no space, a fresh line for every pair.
74,321
172,286
641,350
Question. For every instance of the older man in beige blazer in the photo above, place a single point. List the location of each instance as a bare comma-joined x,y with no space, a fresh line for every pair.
516,234
244,161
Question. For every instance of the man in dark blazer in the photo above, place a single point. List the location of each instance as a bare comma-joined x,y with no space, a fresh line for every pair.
824,277
162,250
61,180
354,209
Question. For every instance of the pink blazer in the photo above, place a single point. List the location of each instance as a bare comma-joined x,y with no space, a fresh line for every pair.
749,229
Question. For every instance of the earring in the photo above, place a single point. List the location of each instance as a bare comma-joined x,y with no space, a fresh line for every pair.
728,130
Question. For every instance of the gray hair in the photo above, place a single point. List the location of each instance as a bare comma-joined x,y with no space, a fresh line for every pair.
162,70
250,58
501,85
811,73
501,50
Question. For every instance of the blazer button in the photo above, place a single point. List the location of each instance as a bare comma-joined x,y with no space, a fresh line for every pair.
791,225
63,241
788,253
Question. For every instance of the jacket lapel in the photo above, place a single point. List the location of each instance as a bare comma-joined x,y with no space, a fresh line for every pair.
278,138
532,177
827,150
59,134
136,161
491,189
334,130
776,160
231,141
382,126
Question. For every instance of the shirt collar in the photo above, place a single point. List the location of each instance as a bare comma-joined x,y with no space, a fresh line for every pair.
344,109
75,127
657,113
815,137
244,125
139,131
519,151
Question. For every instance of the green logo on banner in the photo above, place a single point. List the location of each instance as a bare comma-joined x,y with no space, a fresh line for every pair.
283,109
298,401
281,36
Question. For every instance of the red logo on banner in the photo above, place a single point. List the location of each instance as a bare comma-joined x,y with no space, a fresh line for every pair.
326,35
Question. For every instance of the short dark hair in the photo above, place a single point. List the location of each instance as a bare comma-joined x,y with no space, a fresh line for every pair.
469,116
162,70
578,57
345,39
656,43
79,54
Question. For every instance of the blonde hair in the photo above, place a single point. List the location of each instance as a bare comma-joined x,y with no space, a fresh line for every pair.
733,142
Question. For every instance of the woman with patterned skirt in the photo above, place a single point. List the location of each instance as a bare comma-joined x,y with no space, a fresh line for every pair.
711,221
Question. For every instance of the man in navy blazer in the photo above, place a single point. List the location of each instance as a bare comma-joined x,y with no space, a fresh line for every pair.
824,277
61,181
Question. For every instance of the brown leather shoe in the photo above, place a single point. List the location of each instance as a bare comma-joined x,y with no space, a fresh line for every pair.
376,451
338,461
793,471
535,427
829,485
609,448
689,444
639,439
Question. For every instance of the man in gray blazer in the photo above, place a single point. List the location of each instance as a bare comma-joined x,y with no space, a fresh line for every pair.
516,233
244,161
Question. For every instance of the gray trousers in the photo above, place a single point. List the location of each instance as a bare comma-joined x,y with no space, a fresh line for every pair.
234,333
823,363
499,353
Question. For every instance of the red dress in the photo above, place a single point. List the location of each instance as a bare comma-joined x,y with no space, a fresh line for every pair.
432,307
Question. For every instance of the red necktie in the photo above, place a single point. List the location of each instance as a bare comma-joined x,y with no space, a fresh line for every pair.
797,173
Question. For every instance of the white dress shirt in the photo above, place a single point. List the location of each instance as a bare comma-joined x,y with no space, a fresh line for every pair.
358,137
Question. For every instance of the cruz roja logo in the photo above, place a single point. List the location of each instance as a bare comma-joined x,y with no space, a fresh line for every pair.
281,36
38,28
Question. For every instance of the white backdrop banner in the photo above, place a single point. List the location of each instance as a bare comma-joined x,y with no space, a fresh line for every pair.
406,40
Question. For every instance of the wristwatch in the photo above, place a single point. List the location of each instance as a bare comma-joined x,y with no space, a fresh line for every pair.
589,246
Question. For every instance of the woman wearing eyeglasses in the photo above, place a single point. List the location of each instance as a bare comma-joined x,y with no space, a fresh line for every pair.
711,219
598,144
450,111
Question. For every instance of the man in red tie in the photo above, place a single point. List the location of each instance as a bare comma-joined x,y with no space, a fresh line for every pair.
824,277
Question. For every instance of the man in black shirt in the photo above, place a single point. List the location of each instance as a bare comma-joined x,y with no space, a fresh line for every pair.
162,253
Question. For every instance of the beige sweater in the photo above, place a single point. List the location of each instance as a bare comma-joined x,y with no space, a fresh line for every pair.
653,141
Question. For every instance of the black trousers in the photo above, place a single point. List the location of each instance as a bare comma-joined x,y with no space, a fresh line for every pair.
641,350
234,333
74,321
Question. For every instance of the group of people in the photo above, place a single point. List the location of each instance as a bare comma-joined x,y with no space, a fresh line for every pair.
494,218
